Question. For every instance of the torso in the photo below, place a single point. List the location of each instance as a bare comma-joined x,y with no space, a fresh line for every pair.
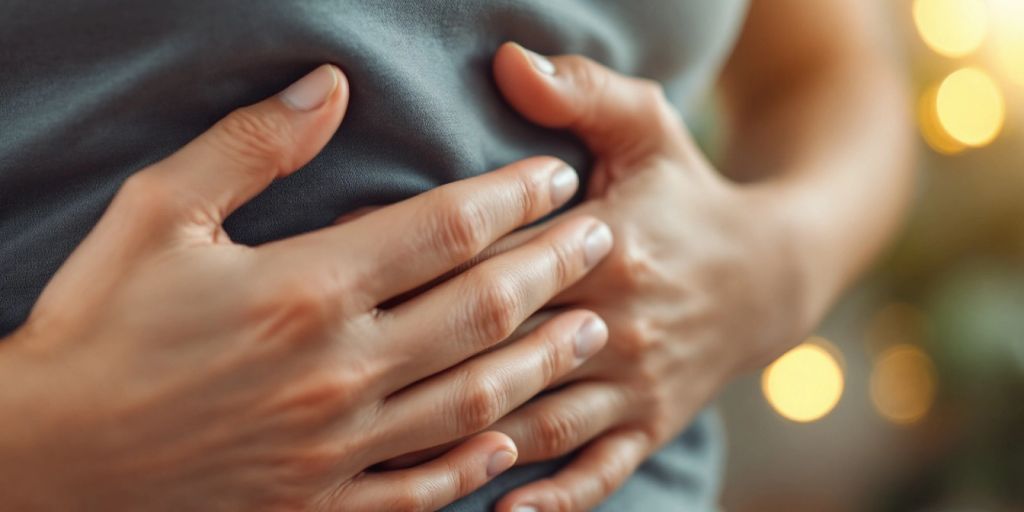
94,90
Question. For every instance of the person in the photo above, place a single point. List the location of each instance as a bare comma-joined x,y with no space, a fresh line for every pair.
276,360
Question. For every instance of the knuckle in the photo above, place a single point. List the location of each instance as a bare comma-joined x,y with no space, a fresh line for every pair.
563,501
566,263
530,195
321,399
634,340
594,80
652,92
633,266
552,358
555,434
460,227
146,197
462,482
413,498
311,463
257,138
607,478
654,100
495,313
480,405
589,75
662,413
295,310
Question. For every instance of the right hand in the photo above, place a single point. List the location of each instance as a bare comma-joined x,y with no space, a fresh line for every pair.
166,368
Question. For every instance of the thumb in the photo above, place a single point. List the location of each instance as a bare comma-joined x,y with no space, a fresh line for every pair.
611,112
239,156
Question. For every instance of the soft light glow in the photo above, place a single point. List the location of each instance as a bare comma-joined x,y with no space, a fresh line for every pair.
896,323
970,107
805,384
1009,38
903,384
931,129
953,28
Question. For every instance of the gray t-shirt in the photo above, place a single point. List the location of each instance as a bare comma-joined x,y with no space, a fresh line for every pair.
93,90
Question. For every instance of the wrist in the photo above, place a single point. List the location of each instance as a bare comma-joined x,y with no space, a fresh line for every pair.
801,247
27,482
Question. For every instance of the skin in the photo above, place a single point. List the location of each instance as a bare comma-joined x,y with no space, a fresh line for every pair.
715,272
166,368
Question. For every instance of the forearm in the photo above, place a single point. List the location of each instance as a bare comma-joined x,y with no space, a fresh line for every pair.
820,130
835,151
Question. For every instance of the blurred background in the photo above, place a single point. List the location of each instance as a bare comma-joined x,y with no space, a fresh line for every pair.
911,395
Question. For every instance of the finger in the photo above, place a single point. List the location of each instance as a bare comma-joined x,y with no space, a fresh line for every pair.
479,308
528,326
432,485
595,283
402,246
564,420
240,155
597,472
471,397
612,113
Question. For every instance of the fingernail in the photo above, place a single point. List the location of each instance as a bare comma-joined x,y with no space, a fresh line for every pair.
590,338
563,184
312,90
597,244
539,62
500,461
525,508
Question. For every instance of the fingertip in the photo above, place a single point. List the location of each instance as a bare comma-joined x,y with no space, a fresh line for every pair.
503,455
591,337
520,500
313,107
563,181
500,462
525,508
499,440
342,92
598,243
540,63
526,79
507,50
312,91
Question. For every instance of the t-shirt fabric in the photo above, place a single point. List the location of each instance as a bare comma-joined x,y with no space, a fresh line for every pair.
94,90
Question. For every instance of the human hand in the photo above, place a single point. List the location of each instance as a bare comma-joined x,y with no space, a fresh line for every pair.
166,368
701,284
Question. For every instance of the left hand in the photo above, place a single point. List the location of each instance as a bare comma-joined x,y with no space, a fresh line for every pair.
702,282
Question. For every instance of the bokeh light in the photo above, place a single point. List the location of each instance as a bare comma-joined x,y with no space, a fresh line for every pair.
903,384
896,323
1009,38
931,129
953,28
970,107
806,383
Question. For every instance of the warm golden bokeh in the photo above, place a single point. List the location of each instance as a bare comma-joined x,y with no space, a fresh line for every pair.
896,323
931,129
970,107
806,383
1009,38
931,416
954,28
903,384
